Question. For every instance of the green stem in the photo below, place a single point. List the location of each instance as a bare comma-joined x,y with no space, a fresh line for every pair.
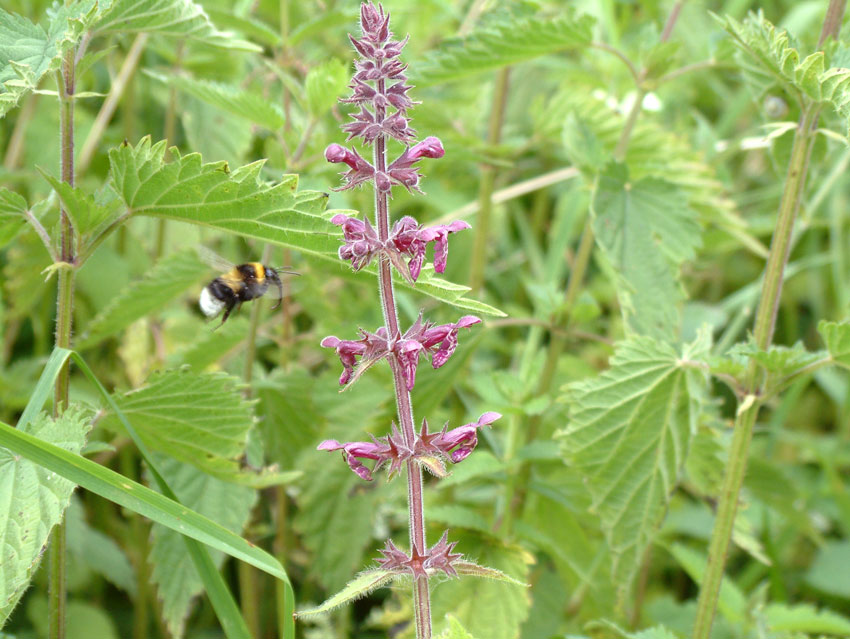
488,182
763,333
64,317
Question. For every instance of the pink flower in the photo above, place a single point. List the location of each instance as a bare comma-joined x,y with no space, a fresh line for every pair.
424,338
354,451
370,348
360,170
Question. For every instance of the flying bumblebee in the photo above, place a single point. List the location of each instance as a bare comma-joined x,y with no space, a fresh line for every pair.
238,283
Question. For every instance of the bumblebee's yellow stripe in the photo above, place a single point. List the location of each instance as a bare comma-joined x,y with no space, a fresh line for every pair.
259,271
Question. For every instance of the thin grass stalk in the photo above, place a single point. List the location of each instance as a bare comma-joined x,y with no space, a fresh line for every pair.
488,182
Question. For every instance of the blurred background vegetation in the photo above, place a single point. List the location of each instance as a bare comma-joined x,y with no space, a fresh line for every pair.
562,112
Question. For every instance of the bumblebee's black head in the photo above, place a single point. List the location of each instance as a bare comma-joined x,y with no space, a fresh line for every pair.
274,278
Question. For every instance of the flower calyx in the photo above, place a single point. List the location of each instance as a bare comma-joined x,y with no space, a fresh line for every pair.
419,564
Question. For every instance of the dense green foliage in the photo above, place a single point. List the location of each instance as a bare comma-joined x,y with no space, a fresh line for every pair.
624,252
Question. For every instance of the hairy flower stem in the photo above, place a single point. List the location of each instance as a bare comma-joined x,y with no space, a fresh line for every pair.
763,333
487,184
421,594
64,317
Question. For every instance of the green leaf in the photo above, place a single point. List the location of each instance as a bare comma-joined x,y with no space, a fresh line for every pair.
28,51
210,345
32,500
324,84
171,276
836,336
364,583
12,209
199,418
232,99
87,214
454,630
628,433
487,608
646,230
806,618
507,41
770,58
98,551
175,18
237,202
174,572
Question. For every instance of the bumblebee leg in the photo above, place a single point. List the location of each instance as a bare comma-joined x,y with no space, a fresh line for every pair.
280,297
231,304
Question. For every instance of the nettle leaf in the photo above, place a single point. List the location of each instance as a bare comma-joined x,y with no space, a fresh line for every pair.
770,58
836,336
175,18
232,99
32,501
28,51
199,418
628,433
502,43
357,588
646,230
174,573
12,209
324,84
494,608
778,364
171,276
237,202
88,215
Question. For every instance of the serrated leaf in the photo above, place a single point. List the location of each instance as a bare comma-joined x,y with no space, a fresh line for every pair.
86,213
28,51
171,276
502,43
174,573
237,202
357,588
487,608
836,336
628,433
12,209
806,618
324,84
199,418
175,18
770,57
646,230
232,99
32,501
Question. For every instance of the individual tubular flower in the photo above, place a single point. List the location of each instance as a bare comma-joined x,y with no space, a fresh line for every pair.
361,240
402,171
360,170
424,338
411,239
370,348
390,449
455,444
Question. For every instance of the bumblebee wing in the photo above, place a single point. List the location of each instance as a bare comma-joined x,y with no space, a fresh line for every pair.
214,260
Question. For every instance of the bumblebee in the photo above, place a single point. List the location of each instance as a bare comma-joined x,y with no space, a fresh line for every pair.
238,283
